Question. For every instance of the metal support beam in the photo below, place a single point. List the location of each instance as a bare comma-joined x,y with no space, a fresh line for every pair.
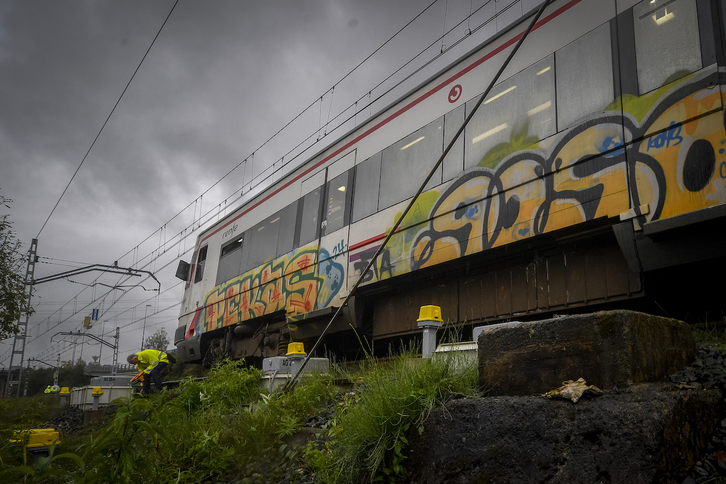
115,354
16,357
114,269
114,347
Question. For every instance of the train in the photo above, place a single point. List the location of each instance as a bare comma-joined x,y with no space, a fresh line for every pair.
593,176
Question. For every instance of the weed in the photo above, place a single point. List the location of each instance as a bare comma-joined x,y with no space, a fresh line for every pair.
45,471
711,335
228,385
716,480
229,425
369,439
125,451
27,412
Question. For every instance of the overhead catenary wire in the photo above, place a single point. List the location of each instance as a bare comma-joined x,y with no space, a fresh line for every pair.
53,350
253,183
303,111
371,101
123,278
93,143
94,300
199,221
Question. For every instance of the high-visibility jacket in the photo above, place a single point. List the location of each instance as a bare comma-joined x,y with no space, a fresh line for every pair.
149,359
48,390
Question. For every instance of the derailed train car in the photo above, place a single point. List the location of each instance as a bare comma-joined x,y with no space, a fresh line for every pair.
597,161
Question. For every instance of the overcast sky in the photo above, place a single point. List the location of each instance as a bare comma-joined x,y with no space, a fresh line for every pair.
221,78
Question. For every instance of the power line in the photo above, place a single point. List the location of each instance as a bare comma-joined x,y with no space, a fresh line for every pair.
189,230
107,119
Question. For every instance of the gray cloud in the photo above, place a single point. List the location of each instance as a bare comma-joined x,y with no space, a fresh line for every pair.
222,77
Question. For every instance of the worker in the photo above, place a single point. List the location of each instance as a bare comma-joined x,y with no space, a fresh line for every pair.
152,363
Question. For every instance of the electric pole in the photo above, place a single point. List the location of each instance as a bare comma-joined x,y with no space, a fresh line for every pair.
18,354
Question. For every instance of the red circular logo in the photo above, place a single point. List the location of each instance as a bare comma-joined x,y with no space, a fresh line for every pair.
455,93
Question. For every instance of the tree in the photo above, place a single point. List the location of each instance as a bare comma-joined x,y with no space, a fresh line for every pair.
72,374
158,341
39,379
14,301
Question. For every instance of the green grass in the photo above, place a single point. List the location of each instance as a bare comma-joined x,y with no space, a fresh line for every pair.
228,429
712,335
28,411
369,439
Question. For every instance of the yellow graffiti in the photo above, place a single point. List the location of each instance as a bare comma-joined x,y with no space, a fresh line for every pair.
289,283
671,162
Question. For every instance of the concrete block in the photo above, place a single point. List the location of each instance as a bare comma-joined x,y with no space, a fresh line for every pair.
607,349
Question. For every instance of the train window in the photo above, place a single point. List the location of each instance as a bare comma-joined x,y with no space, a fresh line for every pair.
262,240
310,218
286,237
518,112
454,161
201,259
584,76
338,200
367,183
231,247
230,259
667,45
406,163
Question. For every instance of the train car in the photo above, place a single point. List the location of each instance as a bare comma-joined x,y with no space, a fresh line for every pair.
597,162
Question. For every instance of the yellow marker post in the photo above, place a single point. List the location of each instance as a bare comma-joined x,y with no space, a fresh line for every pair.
429,319
64,394
295,349
97,392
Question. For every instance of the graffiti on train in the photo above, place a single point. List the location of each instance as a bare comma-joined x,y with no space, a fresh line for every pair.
659,165
649,158
380,270
297,283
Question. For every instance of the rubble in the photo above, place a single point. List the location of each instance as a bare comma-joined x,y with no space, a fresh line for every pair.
68,421
708,371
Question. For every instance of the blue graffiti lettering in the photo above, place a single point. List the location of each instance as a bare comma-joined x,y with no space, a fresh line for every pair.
722,169
339,248
664,139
